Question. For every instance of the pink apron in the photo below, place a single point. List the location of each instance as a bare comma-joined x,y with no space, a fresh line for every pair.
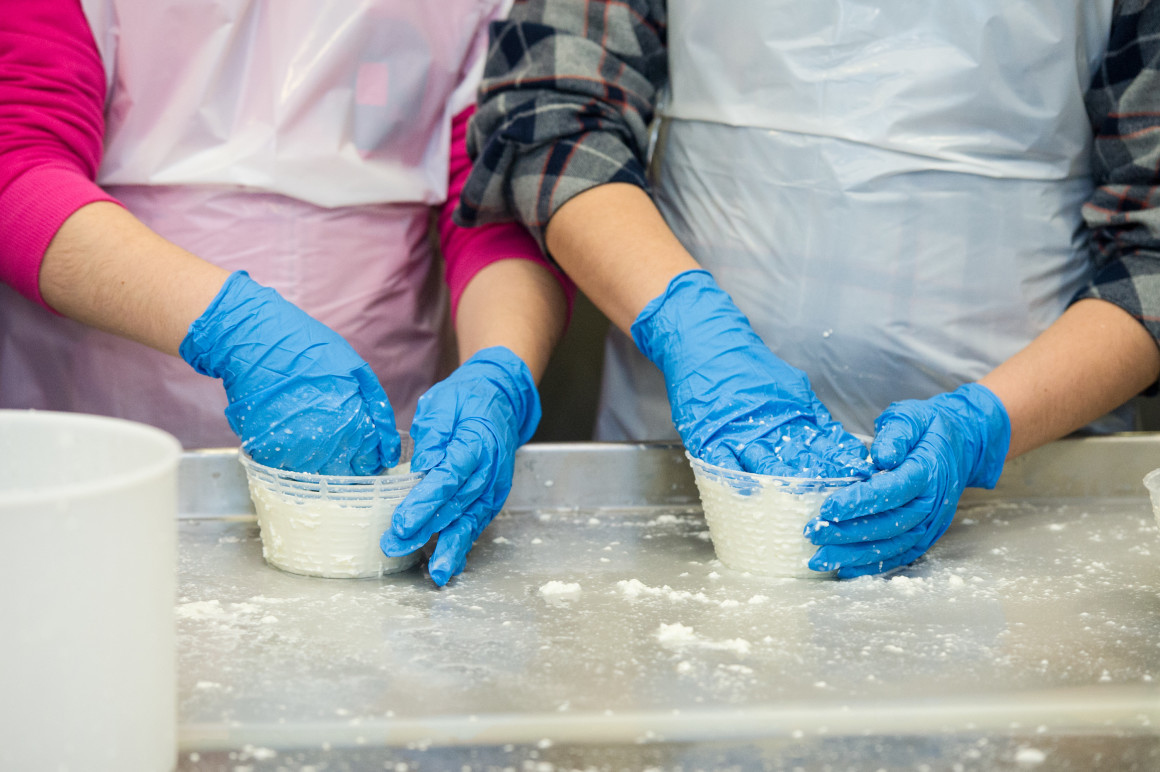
303,141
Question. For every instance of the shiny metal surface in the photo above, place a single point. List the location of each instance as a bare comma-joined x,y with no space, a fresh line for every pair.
594,629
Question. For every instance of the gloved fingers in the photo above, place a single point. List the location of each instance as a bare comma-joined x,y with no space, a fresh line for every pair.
450,555
467,470
847,455
378,446
905,559
870,528
719,454
394,546
898,430
292,441
424,520
883,492
799,448
385,438
345,439
370,457
422,514
314,424
836,556
429,451
779,456
459,537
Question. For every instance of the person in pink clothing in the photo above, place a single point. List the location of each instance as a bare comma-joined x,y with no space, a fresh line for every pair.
217,188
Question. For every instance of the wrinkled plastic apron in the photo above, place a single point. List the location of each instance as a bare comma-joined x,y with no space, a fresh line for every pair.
303,141
890,191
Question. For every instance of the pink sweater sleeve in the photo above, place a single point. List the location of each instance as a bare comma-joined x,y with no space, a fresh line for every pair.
52,95
466,251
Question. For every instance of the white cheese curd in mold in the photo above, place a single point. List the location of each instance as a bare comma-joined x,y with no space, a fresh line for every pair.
760,531
328,537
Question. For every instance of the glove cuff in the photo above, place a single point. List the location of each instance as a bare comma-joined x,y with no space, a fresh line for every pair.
519,383
661,323
996,434
203,337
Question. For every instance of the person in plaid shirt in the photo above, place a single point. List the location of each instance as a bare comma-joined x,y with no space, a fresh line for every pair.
942,226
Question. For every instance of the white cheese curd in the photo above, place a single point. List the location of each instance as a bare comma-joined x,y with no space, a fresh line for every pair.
756,522
328,529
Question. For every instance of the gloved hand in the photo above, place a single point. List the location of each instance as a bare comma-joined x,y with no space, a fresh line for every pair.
466,430
300,398
733,402
931,449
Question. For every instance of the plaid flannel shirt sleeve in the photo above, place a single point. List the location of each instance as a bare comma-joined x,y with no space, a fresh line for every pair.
1123,214
568,92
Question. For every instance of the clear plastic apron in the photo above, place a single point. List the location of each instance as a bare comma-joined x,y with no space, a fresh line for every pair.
304,141
890,191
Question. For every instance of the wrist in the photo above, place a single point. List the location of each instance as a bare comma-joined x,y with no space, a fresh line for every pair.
513,378
987,413
203,342
689,297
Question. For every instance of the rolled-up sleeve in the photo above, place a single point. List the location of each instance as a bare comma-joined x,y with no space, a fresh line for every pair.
565,104
1123,213
52,92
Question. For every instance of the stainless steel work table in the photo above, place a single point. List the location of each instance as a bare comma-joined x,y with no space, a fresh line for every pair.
1028,637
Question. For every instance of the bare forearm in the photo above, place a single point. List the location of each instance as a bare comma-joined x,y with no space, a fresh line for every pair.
614,244
107,269
1091,360
512,303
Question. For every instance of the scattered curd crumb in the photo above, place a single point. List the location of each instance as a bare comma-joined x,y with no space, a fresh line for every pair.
201,609
1030,756
560,588
675,633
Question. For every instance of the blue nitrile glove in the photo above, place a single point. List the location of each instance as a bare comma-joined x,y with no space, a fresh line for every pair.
300,398
931,449
467,429
733,402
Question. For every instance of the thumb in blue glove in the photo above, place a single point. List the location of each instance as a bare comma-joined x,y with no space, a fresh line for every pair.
466,430
300,398
733,402
930,450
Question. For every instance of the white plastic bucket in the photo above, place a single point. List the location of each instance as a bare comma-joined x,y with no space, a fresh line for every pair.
88,557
